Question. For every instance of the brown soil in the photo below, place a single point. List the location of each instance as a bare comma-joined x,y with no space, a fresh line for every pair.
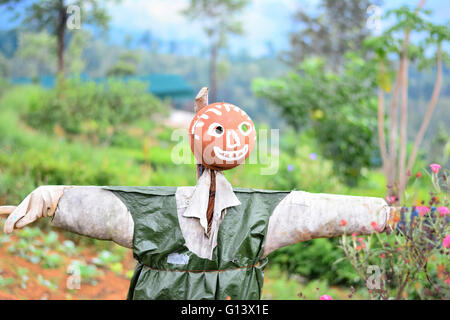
110,286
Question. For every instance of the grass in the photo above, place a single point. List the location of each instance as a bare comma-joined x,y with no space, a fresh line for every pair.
278,286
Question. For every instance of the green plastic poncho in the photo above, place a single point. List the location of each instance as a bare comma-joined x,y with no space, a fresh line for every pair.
166,269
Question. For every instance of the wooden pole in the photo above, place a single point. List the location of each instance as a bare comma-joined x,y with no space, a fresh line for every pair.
201,101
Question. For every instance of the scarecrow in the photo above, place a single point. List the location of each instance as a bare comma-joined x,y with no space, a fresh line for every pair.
208,241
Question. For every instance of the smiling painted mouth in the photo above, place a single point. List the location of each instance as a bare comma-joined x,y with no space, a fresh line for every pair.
230,155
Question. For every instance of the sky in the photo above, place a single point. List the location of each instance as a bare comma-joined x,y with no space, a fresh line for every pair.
263,20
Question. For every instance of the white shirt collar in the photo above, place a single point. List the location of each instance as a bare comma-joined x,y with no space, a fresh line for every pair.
224,197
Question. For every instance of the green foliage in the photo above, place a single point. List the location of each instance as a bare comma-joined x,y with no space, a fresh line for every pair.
96,110
412,256
88,272
339,109
47,283
279,286
36,53
36,249
52,261
106,258
125,66
4,282
22,275
315,259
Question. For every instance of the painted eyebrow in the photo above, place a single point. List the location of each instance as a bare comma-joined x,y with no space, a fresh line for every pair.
214,111
227,106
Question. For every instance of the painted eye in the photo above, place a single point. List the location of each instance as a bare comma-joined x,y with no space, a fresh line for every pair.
215,130
245,128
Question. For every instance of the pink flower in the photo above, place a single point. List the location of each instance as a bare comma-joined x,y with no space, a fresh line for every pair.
361,239
443,211
447,281
391,199
422,210
435,167
375,226
326,297
446,241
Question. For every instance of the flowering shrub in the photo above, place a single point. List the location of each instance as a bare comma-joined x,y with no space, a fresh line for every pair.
411,259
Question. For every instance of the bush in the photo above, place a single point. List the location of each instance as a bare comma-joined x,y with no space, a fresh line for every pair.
315,259
95,110
339,109
410,260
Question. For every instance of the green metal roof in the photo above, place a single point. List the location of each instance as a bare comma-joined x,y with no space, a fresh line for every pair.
164,85
161,85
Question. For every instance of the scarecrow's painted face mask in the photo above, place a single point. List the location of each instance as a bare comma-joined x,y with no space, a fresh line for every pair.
221,136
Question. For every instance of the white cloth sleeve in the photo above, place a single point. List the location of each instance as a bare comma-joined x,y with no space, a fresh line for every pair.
303,216
96,213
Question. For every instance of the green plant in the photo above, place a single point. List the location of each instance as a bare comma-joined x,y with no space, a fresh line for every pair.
4,282
47,283
105,258
338,109
315,259
88,272
68,247
412,260
52,261
95,110
22,274
51,239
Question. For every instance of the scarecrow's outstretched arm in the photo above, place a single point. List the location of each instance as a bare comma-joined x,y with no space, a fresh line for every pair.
90,211
304,216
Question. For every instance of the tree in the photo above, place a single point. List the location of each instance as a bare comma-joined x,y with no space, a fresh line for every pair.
126,65
341,27
52,15
35,54
219,20
76,63
339,109
398,169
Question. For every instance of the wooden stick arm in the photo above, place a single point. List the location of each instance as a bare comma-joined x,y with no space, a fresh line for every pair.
303,216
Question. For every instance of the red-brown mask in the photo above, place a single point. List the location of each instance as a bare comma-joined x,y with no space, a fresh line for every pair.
222,136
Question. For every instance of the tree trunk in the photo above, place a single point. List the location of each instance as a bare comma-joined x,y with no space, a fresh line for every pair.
402,85
393,123
381,136
431,105
404,116
213,73
61,36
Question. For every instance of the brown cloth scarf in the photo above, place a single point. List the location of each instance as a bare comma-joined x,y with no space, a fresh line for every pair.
212,196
